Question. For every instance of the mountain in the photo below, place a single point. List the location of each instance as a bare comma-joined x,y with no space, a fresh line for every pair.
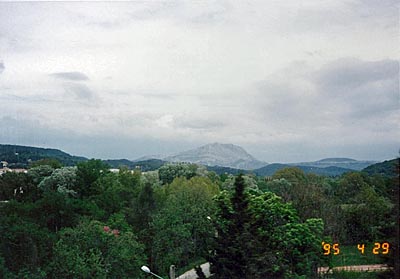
217,154
345,163
20,156
270,169
386,168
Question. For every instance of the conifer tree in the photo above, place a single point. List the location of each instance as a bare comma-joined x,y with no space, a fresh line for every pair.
229,259
260,236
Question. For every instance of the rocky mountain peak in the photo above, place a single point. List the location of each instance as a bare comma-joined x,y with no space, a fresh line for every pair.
218,154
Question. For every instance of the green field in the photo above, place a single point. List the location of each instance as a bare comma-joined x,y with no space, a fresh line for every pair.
350,255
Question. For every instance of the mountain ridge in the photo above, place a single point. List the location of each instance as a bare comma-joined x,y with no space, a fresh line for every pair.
218,154
21,156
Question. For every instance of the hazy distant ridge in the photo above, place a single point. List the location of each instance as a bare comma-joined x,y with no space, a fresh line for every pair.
345,163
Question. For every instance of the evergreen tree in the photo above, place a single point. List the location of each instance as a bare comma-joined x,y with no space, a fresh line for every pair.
260,236
229,258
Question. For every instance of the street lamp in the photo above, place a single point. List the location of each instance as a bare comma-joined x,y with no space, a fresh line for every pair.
147,270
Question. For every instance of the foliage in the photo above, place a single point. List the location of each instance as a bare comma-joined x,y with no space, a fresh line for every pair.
62,180
260,237
86,221
39,173
386,168
52,162
249,181
17,186
168,172
91,251
21,156
23,244
181,229
87,174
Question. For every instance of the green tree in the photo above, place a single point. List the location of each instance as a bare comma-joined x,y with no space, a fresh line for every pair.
62,180
305,192
168,172
367,218
54,163
95,250
24,245
259,236
182,231
116,191
18,186
87,174
37,174
229,259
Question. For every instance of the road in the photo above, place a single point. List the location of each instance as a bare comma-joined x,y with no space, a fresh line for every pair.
191,274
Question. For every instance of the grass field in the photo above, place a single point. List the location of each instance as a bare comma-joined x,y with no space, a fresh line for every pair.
350,255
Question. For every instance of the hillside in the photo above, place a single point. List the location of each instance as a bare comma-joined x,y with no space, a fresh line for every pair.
217,154
20,156
386,168
269,170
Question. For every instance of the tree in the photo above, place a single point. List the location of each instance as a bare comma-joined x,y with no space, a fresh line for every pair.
54,163
24,245
63,180
95,250
87,174
259,236
305,192
168,172
18,186
182,231
231,247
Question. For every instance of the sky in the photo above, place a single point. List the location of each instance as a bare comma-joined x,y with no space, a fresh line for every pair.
288,81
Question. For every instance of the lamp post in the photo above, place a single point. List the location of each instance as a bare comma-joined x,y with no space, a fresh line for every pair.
147,270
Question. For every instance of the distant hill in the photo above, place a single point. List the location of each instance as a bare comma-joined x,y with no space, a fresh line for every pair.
220,158
20,156
386,168
269,170
345,163
218,154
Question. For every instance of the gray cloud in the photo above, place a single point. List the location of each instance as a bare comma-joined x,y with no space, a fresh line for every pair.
33,132
338,16
76,76
198,123
79,91
350,99
2,67
187,71
364,87
351,73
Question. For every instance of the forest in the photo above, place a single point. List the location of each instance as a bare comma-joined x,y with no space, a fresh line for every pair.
86,221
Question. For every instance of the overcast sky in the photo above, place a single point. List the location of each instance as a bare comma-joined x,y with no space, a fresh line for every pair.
287,80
